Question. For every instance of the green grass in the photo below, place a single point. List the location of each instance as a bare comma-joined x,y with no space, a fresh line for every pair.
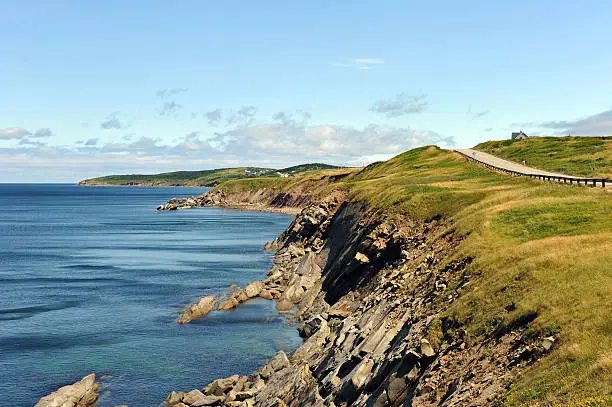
308,167
580,156
543,247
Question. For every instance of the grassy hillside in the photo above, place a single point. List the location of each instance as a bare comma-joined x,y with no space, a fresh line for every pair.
201,178
581,156
308,167
195,178
539,247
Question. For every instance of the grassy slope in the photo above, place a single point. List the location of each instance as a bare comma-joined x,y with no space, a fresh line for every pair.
582,156
538,246
308,167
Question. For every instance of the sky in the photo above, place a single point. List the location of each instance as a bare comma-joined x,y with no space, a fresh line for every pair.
91,88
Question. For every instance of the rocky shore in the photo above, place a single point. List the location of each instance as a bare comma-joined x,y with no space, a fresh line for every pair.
258,201
369,292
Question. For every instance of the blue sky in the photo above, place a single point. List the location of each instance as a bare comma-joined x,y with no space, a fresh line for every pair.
91,88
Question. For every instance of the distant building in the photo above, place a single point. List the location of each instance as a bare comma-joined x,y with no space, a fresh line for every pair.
519,135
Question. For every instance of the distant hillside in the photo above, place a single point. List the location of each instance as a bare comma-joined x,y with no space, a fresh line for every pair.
207,178
581,156
308,167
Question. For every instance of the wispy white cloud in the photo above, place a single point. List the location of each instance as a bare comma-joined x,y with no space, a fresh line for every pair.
166,93
214,117
365,64
170,108
287,140
112,122
17,133
478,115
401,105
13,133
369,61
599,124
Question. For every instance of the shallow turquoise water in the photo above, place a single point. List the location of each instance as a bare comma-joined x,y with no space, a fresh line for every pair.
92,278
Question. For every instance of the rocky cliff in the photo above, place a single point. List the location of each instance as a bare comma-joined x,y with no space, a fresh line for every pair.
369,291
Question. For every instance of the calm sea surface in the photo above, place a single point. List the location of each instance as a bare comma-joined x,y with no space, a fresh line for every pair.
92,279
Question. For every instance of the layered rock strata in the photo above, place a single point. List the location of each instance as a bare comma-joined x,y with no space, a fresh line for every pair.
370,293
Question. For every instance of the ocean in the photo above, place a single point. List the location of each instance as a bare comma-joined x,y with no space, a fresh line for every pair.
92,279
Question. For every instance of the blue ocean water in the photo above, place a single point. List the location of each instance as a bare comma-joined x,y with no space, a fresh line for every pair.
92,279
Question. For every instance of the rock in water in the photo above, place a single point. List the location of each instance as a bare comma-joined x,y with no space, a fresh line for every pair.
253,289
198,310
83,393
284,305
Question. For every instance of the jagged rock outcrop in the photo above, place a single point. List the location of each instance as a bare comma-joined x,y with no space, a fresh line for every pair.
370,294
252,200
198,310
83,393
211,198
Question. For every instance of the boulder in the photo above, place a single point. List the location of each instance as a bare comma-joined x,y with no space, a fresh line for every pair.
174,398
83,393
221,386
241,296
266,294
362,258
243,395
284,305
426,348
310,327
279,361
192,397
253,289
209,401
228,304
295,293
198,310
548,342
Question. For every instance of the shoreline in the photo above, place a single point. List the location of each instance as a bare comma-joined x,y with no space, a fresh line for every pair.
369,293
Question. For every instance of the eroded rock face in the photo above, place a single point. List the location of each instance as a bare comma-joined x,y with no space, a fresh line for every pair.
369,293
83,393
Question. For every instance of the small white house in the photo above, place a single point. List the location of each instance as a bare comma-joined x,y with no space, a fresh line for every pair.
519,135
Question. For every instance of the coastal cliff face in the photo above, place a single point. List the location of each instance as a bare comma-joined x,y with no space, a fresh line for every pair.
369,292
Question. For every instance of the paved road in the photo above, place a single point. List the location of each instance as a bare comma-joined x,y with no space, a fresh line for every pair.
509,165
